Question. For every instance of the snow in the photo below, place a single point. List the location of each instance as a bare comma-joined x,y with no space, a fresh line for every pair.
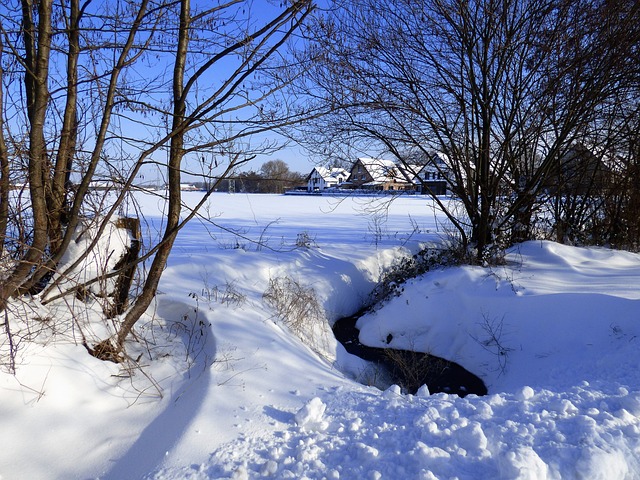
310,417
103,257
549,306
228,390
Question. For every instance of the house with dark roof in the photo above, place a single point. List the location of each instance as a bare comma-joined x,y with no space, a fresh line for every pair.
582,170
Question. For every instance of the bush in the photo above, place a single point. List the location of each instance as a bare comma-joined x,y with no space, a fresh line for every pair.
391,281
298,308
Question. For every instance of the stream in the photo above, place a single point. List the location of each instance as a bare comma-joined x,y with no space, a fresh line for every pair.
410,370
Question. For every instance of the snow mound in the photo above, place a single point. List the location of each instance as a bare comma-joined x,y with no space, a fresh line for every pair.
553,333
551,316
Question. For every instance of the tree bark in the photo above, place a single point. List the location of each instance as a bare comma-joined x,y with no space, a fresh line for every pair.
37,44
57,195
5,181
176,153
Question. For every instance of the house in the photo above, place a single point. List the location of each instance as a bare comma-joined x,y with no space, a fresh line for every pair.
431,177
580,171
378,174
321,178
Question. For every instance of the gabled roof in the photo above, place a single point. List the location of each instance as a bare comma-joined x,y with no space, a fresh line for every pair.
381,170
329,174
435,162
411,172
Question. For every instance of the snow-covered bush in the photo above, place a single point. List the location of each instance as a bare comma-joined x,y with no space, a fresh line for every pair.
78,301
406,268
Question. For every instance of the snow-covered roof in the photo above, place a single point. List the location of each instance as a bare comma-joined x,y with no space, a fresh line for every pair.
436,162
411,172
381,170
330,174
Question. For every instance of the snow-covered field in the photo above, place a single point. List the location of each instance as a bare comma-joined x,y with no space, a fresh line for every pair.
228,391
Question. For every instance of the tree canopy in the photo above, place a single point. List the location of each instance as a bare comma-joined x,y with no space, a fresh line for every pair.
503,90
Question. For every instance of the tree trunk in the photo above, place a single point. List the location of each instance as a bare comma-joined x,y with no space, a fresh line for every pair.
5,181
127,267
57,195
176,153
37,43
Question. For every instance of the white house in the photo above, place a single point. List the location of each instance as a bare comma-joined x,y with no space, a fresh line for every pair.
322,177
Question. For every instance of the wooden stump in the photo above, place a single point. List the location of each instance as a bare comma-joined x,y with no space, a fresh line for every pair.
127,267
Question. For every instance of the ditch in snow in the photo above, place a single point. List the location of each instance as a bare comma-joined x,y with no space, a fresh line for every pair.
410,370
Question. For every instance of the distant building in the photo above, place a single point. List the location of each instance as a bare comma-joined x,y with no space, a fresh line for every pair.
580,171
431,177
101,185
322,178
378,174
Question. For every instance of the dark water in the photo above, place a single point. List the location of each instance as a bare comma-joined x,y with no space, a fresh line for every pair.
410,369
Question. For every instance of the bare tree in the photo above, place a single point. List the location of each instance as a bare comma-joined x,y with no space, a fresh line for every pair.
500,89
591,77
110,89
254,48
277,176
5,182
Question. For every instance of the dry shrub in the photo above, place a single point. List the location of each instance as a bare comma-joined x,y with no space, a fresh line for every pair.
106,350
414,369
298,308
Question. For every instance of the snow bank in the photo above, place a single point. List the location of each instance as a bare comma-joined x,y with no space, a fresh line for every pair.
551,316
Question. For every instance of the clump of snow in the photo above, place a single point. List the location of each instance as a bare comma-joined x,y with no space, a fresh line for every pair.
423,391
526,393
310,417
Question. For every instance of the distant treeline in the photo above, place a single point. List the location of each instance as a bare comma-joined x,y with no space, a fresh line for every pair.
273,177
